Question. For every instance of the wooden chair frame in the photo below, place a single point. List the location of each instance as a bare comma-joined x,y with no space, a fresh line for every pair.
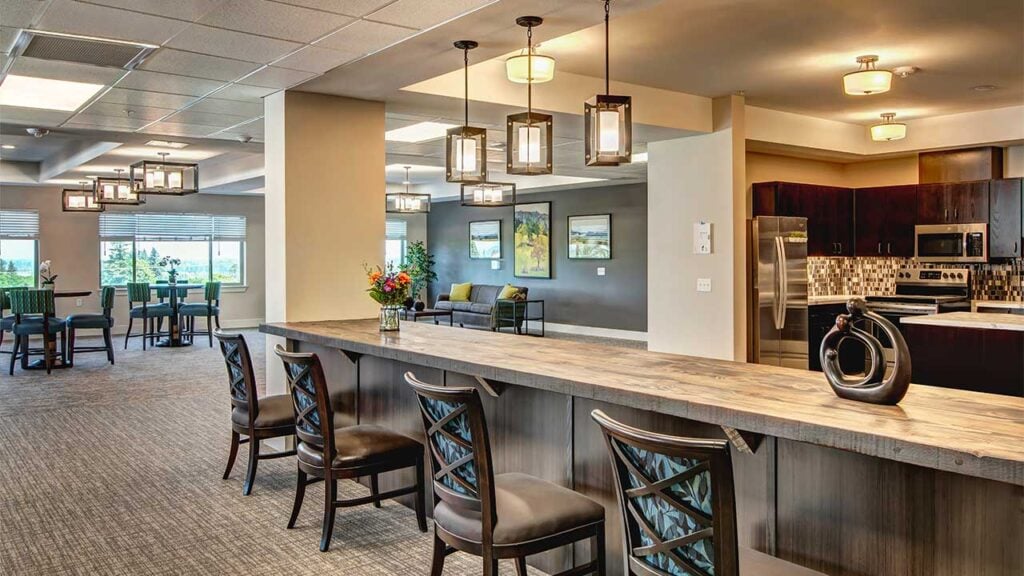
153,331
22,349
108,344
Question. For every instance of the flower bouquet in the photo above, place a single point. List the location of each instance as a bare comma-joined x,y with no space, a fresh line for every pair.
389,288
171,264
47,275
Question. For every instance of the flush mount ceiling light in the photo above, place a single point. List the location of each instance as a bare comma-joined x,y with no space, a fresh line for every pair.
117,191
46,94
406,202
488,194
80,199
888,130
608,134
420,132
164,178
868,80
466,146
528,135
167,144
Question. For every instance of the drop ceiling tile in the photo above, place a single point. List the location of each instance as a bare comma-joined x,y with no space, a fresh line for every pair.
20,13
364,37
179,129
110,121
145,113
197,65
159,82
190,10
206,119
229,44
90,19
146,98
349,7
233,107
313,59
273,77
7,38
244,93
274,19
33,116
253,129
425,13
57,70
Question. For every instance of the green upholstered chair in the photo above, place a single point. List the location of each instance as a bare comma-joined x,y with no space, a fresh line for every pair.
34,316
210,309
103,321
7,320
163,296
147,311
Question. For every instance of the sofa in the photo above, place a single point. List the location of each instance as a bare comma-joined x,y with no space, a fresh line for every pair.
481,310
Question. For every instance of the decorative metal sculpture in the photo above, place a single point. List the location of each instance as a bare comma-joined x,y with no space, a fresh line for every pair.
873,386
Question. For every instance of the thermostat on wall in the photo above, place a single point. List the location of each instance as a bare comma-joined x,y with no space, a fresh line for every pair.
702,237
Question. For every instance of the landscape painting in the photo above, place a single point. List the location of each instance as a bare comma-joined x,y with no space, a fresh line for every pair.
485,239
533,240
590,237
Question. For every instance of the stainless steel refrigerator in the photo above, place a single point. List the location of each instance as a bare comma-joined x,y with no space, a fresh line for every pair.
778,285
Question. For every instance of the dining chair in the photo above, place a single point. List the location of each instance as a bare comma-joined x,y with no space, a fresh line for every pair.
163,296
334,453
103,321
139,293
496,516
34,316
678,506
251,416
210,309
7,321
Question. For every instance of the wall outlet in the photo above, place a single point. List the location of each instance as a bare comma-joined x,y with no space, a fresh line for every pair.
703,284
495,264
600,270
78,302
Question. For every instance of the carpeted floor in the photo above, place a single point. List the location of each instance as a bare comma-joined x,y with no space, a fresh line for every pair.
116,470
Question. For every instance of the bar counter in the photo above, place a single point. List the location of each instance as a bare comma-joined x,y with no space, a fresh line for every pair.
932,486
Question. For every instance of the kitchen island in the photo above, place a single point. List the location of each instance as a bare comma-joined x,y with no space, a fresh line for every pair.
933,486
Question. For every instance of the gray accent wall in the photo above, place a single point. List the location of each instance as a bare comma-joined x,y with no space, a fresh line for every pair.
575,294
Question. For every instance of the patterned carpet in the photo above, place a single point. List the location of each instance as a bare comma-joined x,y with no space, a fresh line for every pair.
116,470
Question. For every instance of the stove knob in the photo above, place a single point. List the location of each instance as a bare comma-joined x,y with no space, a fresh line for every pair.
959,275
945,275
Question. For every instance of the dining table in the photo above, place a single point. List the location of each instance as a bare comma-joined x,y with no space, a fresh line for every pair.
58,359
173,339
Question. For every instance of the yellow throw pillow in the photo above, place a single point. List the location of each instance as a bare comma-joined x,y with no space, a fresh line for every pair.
508,292
460,292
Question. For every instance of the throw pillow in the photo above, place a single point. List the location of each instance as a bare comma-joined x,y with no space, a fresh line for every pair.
460,292
508,292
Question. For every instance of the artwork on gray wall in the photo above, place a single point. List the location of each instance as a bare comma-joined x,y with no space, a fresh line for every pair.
485,239
590,237
532,240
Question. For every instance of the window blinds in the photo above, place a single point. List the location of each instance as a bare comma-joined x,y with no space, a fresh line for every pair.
172,226
19,224
395,229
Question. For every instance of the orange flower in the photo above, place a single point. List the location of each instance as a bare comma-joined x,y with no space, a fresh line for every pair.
404,278
374,276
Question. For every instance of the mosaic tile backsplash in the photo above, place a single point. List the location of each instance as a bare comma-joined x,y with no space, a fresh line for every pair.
874,276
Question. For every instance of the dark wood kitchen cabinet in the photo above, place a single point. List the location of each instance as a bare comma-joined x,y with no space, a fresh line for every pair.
953,203
1005,217
886,216
979,360
828,209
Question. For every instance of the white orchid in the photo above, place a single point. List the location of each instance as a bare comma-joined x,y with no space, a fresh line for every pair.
45,273
44,267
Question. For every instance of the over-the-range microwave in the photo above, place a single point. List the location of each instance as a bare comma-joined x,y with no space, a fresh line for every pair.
951,242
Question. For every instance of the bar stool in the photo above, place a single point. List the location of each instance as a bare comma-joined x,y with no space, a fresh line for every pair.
679,506
496,516
138,292
33,315
7,321
210,309
104,322
254,417
331,454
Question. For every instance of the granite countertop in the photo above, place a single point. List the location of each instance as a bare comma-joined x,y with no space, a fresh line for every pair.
824,300
958,431
969,320
1009,304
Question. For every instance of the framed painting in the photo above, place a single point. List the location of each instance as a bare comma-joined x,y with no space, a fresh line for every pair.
532,244
590,237
485,240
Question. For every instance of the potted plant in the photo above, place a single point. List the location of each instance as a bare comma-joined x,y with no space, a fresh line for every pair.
171,264
388,288
420,268
48,277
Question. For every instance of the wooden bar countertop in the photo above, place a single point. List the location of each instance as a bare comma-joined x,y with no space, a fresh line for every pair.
967,433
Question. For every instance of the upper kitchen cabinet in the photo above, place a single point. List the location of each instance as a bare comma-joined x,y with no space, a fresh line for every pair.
953,203
828,209
1004,229
885,220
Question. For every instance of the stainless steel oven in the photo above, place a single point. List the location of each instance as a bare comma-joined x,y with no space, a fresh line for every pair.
951,243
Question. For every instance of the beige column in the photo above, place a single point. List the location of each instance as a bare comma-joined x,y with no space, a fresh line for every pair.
324,209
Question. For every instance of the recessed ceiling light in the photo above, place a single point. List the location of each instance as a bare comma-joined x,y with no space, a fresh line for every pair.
44,93
167,144
984,88
8,146
420,132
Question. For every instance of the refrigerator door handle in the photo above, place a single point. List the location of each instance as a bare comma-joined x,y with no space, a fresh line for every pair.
780,281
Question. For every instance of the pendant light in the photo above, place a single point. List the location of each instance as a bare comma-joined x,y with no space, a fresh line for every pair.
609,119
80,199
164,178
888,130
868,80
530,68
117,191
406,202
528,135
488,194
466,146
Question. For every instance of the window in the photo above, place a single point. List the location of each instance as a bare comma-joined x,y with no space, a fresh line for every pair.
209,247
19,247
395,243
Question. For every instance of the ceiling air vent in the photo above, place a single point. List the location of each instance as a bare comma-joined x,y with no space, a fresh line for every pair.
81,49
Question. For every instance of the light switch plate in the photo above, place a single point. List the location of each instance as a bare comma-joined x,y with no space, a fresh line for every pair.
600,270
78,302
703,284
702,237
495,264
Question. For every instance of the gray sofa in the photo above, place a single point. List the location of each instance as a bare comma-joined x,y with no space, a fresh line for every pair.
481,308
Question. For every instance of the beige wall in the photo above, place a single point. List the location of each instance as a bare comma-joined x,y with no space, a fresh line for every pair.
71,241
889,172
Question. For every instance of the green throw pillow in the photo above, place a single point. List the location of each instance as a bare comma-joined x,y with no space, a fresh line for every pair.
508,292
460,292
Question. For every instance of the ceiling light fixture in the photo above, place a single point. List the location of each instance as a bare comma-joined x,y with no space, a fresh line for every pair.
117,190
420,132
530,67
167,144
37,132
528,135
608,134
164,178
488,194
984,88
868,80
466,145
80,199
406,202
8,146
888,130
45,93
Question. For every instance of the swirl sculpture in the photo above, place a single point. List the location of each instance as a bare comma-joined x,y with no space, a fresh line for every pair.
873,386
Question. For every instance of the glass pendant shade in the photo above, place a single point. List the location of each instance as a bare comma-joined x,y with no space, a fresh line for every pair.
868,80
117,191
888,130
164,178
406,202
80,200
518,68
528,137
489,194
609,130
466,150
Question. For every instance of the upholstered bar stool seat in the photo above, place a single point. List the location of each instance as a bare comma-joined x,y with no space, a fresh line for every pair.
528,509
199,309
357,445
92,321
34,326
275,412
151,311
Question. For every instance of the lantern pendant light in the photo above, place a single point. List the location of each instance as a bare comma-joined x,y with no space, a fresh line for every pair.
406,202
117,191
609,119
164,178
488,194
80,199
528,135
888,130
466,146
868,80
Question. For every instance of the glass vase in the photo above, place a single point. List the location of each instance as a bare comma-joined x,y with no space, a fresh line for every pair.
389,318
